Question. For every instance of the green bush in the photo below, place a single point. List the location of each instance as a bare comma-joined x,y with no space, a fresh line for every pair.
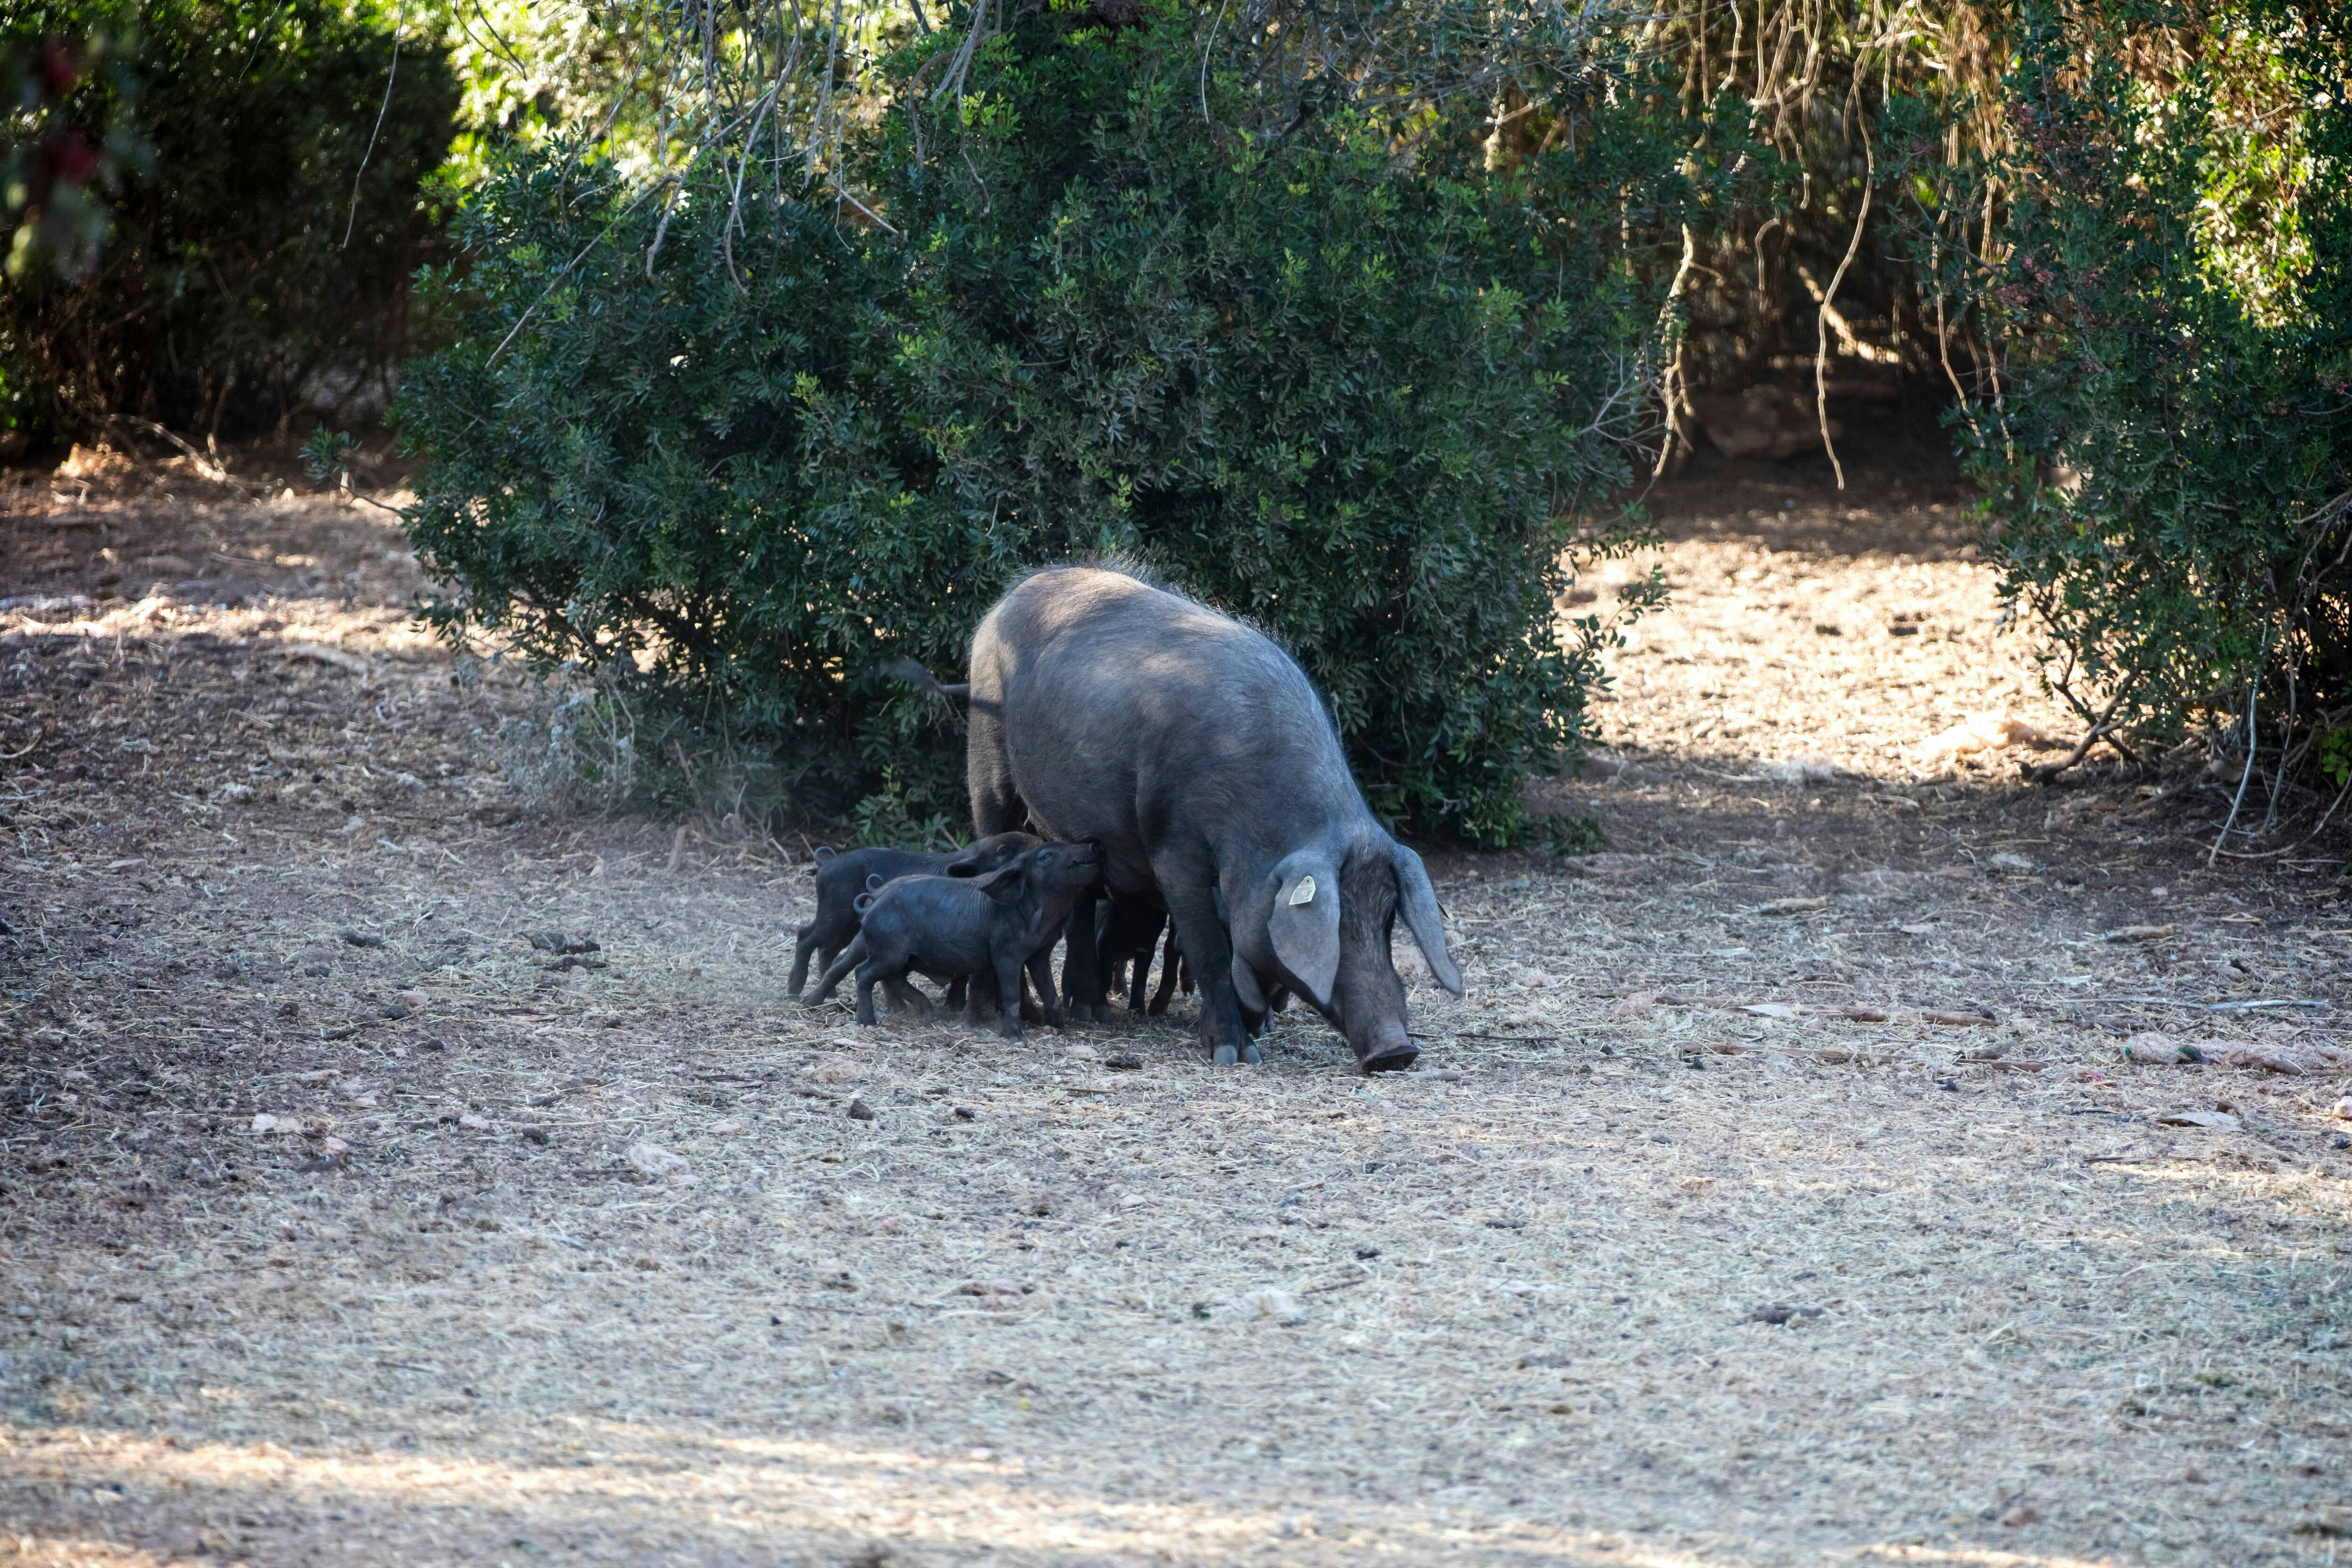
2163,426
262,261
1374,403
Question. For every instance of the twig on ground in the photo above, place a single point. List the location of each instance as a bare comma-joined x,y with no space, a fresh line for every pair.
2213,1006
2102,728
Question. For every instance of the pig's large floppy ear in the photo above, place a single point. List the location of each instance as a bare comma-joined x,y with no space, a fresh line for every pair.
1304,928
1006,882
1418,903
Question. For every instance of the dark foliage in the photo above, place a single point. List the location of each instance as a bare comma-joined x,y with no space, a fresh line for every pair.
726,437
261,264
2163,426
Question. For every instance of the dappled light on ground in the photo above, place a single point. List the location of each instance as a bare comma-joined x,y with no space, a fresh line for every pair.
1786,1189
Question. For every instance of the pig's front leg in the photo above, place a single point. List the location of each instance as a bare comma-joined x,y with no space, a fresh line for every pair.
1008,994
1041,973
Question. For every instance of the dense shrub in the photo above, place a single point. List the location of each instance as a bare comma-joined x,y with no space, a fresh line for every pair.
261,261
1373,402
2163,429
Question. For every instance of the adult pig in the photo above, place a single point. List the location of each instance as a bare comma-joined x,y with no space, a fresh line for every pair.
1196,753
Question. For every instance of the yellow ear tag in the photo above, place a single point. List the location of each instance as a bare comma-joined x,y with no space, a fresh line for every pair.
1303,893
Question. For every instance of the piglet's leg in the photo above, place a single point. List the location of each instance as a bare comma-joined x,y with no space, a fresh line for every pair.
836,968
804,948
1082,976
1008,995
905,998
867,973
1041,971
1170,962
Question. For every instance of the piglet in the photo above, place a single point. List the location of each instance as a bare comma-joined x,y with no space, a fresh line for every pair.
841,878
947,926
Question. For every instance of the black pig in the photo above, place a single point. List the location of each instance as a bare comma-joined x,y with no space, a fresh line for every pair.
1199,756
945,927
842,878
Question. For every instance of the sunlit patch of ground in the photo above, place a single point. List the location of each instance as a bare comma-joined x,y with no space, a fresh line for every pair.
1633,1276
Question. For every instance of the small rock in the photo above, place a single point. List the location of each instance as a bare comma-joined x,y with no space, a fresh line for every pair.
474,1123
725,1129
2342,1108
2340,1140
558,943
2219,1121
265,1122
362,939
653,1160
1808,770
1367,1254
535,1135
1080,1053
315,970
1782,1314
1124,1062
1280,1306
2019,1514
988,1288
834,1070
2006,860
965,1114
395,1012
859,1111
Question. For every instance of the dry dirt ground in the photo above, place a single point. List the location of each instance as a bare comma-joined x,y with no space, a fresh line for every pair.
1795,1185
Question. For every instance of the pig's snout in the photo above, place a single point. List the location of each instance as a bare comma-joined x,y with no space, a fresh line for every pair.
1389,1049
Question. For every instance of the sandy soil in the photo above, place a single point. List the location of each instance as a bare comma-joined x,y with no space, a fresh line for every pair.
1812,1174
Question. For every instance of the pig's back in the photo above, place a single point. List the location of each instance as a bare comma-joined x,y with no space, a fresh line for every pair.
1126,708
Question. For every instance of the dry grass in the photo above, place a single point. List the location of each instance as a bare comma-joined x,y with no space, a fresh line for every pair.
1040,1310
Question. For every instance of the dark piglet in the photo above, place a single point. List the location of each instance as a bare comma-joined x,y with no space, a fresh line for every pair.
1199,756
945,927
842,878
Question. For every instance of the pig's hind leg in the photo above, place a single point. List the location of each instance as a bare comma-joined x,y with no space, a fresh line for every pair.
853,956
889,972
803,948
904,998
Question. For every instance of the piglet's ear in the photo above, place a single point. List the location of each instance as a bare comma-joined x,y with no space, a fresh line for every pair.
1303,929
1417,900
1007,882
